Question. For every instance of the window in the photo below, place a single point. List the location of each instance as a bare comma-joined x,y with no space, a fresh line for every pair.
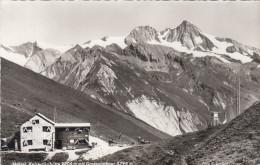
27,129
47,142
46,129
30,142
35,121
82,141
79,130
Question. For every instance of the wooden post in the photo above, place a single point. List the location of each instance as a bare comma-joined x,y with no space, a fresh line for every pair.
15,145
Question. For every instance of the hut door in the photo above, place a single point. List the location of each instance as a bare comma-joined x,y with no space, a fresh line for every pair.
59,144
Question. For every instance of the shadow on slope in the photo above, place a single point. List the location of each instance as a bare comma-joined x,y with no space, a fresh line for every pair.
24,91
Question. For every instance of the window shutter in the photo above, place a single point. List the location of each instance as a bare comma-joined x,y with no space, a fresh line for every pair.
86,141
49,142
25,143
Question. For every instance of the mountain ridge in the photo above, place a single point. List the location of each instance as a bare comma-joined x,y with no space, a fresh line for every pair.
183,38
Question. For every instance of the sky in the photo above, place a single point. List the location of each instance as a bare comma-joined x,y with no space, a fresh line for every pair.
72,22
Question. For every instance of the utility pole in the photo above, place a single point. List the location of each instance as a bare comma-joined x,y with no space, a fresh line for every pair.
238,92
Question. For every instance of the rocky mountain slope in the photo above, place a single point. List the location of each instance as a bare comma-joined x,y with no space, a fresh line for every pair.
127,87
170,79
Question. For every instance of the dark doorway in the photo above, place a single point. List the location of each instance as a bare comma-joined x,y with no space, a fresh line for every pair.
59,144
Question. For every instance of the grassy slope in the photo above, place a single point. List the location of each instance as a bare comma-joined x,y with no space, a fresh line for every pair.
235,142
170,151
33,91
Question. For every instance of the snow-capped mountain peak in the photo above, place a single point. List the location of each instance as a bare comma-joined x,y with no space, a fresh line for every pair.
187,26
186,35
186,38
189,36
142,34
60,48
190,39
105,41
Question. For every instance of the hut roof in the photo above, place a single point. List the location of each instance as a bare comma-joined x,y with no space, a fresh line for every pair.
71,125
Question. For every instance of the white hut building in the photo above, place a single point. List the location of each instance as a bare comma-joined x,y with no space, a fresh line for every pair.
42,134
36,134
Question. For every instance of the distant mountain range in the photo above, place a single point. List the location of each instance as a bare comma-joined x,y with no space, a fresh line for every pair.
170,79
